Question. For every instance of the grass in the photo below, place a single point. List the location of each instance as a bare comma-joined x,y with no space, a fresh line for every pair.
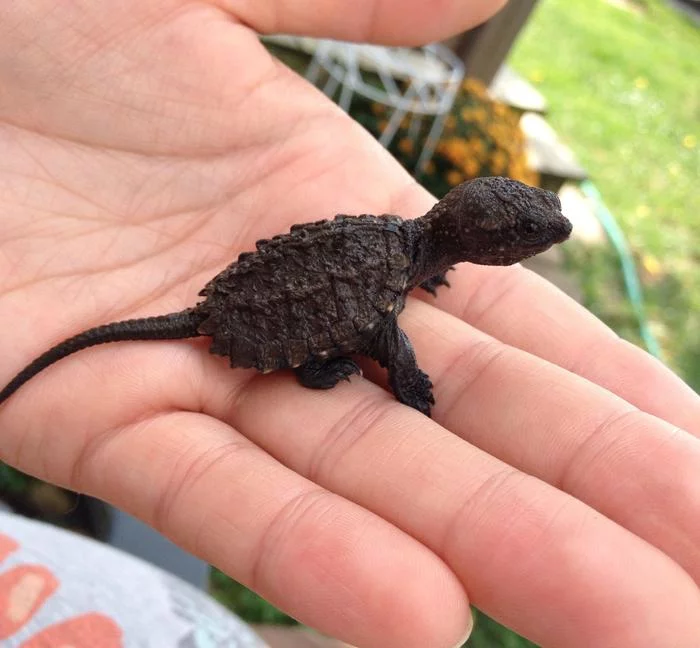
621,82
245,603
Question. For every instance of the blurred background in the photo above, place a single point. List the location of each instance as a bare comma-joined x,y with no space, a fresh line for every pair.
598,100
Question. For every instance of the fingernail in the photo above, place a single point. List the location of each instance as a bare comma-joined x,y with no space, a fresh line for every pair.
468,632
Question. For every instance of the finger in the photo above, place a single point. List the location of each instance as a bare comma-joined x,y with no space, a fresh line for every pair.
525,311
325,560
633,467
518,545
384,21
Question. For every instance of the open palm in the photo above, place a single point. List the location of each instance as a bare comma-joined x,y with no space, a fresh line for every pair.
143,145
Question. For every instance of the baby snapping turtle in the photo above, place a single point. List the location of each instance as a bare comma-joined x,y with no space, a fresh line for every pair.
309,299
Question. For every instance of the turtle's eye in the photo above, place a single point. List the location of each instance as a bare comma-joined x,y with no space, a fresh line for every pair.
531,231
531,228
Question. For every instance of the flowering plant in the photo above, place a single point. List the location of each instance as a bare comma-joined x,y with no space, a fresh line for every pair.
481,137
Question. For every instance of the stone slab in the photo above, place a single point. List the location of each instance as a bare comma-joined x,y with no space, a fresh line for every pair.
510,88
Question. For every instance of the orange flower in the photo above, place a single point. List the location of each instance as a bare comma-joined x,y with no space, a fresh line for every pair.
454,177
499,162
477,146
476,115
454,149
471,167
474,87
405,145
500,110
480,115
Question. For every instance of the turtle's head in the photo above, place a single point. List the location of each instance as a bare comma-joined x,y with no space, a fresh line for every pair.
497,221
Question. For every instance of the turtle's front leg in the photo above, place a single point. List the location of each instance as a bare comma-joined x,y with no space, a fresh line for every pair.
433,283
410,385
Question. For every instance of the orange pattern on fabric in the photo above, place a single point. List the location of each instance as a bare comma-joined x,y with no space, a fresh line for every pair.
23,590
91,630
7,546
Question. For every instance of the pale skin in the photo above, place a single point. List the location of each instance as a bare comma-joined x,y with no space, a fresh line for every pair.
143,145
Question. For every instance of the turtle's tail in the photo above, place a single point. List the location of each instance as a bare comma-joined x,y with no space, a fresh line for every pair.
164,327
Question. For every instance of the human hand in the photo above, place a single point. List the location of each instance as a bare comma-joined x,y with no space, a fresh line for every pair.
145,144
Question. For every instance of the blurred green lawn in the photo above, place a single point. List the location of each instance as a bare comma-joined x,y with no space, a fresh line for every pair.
622,79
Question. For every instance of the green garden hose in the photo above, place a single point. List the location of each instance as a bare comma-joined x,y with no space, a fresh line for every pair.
629,270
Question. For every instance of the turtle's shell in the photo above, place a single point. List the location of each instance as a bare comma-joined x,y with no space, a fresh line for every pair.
320,291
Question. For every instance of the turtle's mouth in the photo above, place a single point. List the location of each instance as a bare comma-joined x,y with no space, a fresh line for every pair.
505,257
564,229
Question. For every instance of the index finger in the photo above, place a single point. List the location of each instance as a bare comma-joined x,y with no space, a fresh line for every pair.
526,311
